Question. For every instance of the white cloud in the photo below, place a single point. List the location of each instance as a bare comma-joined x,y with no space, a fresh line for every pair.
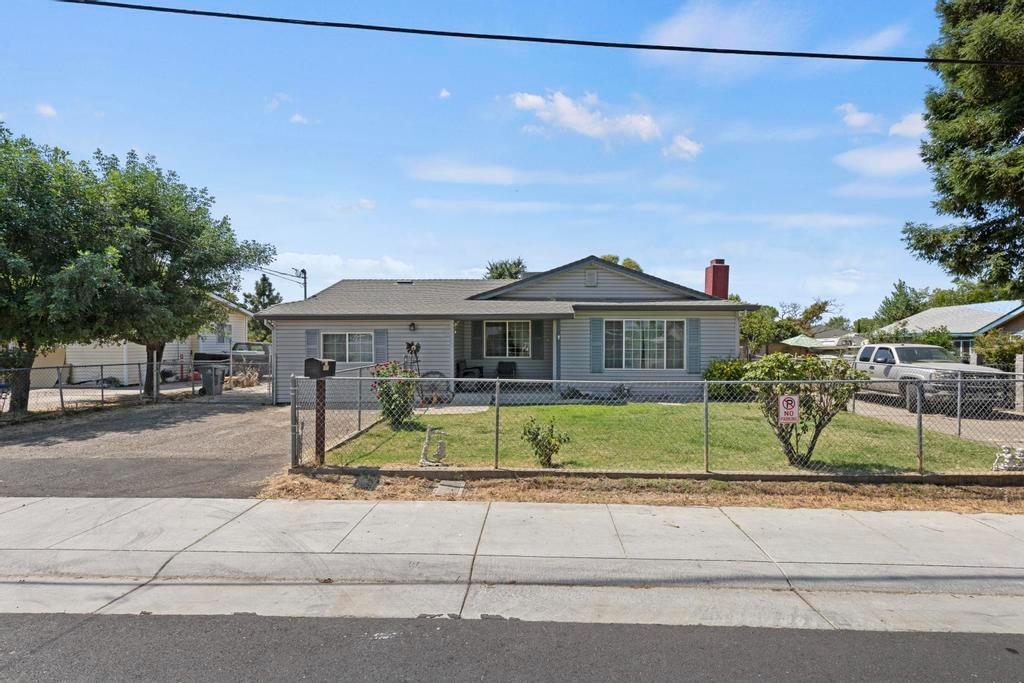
910,126
679,182
584,116
867,189
881,160
882,41
298,118
45,110
856,119
444,94
3,116
756,24
449,171
683,148
274,102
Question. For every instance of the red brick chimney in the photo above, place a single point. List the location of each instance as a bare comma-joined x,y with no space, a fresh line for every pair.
716,279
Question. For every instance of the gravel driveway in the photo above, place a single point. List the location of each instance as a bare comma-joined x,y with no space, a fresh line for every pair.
170,449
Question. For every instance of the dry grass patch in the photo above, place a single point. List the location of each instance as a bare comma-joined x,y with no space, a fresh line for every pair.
662,492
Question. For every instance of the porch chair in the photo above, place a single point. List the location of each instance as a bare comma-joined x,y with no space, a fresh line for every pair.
507,370
463,370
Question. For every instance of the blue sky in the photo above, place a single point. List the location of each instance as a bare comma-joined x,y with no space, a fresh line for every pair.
370,155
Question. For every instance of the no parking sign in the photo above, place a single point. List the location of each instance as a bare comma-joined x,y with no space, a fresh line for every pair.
789,409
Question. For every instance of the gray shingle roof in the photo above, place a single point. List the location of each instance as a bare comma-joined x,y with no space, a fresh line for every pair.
451,299
959,320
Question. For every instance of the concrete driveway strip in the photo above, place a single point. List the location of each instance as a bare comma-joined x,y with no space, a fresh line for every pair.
167,524
288,526
550,530
48,522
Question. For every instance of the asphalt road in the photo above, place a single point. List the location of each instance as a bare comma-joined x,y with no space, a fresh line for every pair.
179,449
245,648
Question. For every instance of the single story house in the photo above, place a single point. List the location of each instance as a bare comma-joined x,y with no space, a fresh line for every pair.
124,358
586,320
965,322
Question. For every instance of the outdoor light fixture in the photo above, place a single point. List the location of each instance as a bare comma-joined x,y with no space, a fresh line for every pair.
412,327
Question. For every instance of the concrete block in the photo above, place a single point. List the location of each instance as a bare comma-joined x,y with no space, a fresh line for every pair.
294,600
692,533
314,567
168,524
817,536
945,538
53,520
418,527
60,597
862,611
8,504
288,526
550,530
128,564
670,606
626,572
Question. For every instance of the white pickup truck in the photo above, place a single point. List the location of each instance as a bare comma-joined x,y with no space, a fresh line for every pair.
939,373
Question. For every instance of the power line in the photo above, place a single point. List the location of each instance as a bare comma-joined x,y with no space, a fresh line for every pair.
537,39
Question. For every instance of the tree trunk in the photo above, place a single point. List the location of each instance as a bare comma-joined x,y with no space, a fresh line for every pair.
20,381
154,356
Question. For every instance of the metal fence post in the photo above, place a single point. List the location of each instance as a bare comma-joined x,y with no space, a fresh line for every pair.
142,381
497,419
156,380
192,375
707,441
920,427
359,402
959,400
294,424
102,386
60,384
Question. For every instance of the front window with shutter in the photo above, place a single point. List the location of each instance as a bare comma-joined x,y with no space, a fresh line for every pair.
507,338
351,347
645,344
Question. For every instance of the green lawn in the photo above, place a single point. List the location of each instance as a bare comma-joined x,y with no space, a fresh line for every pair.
647,436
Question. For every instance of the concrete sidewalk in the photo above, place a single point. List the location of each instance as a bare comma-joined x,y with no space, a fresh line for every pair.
819,569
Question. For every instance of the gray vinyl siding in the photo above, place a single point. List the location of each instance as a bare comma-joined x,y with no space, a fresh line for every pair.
719,339
434,336
570,285
527,367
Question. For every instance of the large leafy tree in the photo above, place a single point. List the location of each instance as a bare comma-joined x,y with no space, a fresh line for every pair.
625,263
174,253
904,301
505,269
262,296
975,119
59,277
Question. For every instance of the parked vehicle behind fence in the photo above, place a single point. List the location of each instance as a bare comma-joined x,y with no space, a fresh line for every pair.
940,373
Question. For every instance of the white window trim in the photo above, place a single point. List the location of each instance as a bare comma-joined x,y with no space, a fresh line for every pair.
664,348
529,336
373,346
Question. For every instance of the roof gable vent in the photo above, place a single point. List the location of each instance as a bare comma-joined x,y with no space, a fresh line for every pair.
590,277
403,282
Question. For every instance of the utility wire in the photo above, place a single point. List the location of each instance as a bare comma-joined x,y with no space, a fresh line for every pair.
537,39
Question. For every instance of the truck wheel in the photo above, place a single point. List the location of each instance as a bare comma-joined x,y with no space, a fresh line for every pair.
910,400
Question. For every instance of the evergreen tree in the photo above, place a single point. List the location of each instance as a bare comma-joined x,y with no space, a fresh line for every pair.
903,302
263,296
505,269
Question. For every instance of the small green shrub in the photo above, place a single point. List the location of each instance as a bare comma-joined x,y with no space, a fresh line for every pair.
819,403
395,392
544,439
722,370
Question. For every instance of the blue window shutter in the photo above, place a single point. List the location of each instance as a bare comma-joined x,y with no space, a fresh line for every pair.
597,344
380,346
693,363
312,343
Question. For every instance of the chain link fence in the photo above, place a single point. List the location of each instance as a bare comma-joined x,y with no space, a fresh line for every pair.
45,391
958,425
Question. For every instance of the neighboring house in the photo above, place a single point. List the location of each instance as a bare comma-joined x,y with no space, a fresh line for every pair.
587,320
124,359
965,322
825,342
